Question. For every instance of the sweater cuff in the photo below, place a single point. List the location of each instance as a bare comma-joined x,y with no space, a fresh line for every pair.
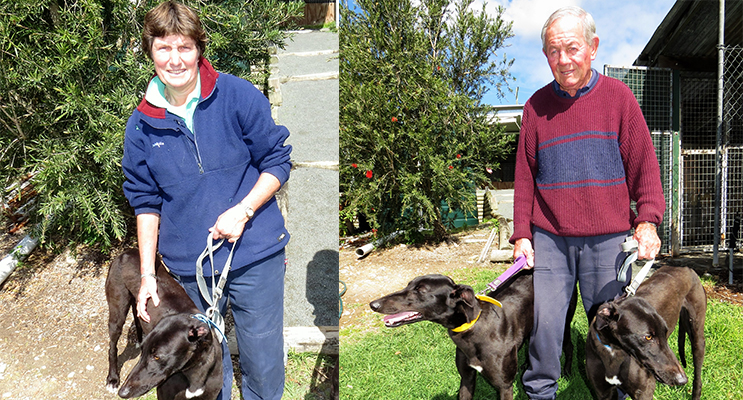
520,234
147,210
280,172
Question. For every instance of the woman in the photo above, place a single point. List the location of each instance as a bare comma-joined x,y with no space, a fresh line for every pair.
202,156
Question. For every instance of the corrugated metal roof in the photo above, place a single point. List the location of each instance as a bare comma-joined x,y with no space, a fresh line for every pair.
687,37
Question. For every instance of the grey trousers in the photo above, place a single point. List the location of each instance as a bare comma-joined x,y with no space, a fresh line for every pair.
560,263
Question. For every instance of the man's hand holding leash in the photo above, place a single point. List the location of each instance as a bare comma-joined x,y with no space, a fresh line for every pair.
648,242
523,247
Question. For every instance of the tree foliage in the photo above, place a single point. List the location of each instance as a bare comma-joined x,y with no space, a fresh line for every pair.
72,73
413,128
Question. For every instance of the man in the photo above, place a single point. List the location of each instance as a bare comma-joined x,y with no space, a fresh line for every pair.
584,153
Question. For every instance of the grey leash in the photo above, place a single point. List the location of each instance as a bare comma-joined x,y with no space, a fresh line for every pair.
217,287
630,246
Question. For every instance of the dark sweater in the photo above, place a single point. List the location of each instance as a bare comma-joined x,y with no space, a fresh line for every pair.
580,161
190,178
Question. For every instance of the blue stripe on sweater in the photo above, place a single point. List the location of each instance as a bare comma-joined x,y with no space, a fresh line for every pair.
580,160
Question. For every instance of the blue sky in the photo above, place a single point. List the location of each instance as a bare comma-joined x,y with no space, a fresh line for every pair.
623,27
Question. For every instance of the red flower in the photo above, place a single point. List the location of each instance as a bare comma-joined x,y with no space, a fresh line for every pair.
355,165
459,156
369,174
394,119
451,167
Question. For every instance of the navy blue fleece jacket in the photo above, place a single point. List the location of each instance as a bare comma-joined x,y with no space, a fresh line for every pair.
190,178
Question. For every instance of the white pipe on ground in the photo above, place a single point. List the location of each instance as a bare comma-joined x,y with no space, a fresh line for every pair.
367,248
19,252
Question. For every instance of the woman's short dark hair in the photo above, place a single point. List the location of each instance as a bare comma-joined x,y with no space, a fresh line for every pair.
172,18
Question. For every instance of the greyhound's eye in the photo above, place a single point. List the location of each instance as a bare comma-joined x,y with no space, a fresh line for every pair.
648,337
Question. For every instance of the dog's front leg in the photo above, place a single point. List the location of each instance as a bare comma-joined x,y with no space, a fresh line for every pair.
468,375
640,382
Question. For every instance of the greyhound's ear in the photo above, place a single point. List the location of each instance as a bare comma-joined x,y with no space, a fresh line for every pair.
465,294
606,315
464,301
197,333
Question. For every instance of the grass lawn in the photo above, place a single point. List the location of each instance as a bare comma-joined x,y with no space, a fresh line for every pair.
306,378
417,361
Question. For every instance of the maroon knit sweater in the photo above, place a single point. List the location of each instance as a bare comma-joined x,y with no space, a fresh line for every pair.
580,162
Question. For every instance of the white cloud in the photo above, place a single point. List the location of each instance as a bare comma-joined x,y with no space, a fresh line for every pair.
528,16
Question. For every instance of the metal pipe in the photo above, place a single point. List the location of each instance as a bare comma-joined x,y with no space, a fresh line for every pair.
720,113
367,248
19,252
730,268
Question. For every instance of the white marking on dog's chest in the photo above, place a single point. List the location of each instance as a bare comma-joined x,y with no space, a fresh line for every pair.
613,380
191,395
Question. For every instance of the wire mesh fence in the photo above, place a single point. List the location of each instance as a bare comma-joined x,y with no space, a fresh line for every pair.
652,88
732,140
699,159
698,127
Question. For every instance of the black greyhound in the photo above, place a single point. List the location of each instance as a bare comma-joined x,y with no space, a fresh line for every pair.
627,344
180,355
487,335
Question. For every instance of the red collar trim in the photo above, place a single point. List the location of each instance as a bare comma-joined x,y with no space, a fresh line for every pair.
208,83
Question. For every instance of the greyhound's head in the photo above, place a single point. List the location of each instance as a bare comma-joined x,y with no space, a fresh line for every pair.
434,298
175,344
636,327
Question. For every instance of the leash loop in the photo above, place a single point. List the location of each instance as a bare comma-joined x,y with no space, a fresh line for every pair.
217,287
630,246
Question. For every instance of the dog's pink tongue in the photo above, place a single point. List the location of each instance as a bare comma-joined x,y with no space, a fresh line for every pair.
391,320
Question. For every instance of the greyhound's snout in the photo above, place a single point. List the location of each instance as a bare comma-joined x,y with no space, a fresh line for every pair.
680,379
375,305
125,392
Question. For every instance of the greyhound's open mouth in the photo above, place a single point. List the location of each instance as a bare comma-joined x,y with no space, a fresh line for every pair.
407,317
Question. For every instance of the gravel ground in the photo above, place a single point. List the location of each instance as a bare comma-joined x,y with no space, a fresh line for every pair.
53,328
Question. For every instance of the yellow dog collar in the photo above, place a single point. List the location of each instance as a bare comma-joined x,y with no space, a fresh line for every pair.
470,324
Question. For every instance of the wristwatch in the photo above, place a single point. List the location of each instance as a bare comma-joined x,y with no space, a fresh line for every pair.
248,210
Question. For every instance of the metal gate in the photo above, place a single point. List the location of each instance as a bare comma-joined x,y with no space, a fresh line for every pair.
681,111
653,89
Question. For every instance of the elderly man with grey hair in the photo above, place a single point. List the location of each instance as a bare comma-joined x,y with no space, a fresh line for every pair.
584,155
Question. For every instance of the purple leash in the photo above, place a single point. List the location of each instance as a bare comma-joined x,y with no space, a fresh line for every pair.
518,264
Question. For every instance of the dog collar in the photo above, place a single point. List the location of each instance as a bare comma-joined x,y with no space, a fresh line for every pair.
470,324
203,318
490,300
602,343
467,325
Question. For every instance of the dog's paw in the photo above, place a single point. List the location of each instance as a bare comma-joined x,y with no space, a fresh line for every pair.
113,387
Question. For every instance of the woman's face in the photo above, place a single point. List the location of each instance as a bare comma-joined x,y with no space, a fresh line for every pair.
176,59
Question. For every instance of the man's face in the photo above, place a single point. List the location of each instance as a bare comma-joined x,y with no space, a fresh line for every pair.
568,54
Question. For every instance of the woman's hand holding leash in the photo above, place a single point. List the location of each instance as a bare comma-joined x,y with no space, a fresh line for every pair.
230,225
